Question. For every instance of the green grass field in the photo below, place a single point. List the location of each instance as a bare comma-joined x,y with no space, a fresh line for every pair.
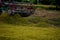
11,32
28,28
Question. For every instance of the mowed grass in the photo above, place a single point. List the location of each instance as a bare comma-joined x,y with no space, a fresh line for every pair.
11,32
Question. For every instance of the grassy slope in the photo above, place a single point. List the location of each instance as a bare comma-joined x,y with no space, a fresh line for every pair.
24,21
10,32
28,28
53,16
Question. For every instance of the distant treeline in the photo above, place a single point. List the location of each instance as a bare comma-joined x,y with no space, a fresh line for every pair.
47,2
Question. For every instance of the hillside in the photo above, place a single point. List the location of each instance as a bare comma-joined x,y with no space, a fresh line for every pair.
34,27
41,16
49,14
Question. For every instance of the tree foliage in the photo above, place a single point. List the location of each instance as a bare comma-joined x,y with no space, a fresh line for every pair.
47,2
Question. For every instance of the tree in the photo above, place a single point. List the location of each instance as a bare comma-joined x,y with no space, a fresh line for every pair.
58,4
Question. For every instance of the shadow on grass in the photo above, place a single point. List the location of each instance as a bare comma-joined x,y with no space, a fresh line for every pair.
9,38
6,38
31,21
24,21
55,22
